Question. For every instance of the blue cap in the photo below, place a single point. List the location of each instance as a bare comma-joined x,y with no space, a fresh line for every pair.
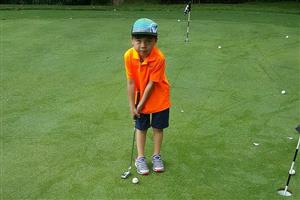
144,26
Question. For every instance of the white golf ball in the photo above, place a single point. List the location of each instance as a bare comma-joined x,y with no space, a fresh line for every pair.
135,180
283,92
287,36
178,20
292,172
219,47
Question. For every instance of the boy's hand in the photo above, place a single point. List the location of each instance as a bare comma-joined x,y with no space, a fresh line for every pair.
139,108
135,113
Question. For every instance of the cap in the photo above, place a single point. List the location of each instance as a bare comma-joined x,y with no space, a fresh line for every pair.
144,26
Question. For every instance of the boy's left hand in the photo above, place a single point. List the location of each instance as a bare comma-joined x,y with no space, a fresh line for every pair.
134,113
139,108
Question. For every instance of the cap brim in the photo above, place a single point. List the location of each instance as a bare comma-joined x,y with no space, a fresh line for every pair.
143,33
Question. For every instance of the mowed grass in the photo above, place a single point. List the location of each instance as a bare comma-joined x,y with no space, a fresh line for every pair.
65,124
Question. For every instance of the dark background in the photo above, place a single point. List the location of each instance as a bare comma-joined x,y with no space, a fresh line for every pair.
118,2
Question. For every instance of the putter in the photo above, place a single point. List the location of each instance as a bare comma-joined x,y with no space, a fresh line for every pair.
284,191
127,173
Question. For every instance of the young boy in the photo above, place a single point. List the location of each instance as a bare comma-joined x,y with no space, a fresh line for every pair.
148,91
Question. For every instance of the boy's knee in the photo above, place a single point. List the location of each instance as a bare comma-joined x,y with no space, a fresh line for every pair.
157,130
139,131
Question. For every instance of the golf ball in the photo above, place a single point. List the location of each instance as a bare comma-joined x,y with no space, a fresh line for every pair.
135,180
287,36
219,47
283,92
178,20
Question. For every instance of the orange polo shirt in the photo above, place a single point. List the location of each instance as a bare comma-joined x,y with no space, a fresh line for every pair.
152,68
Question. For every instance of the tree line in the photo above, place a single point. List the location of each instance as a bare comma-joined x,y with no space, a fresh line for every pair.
119,2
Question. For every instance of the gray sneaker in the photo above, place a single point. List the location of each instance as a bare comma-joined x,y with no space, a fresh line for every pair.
141,166
158,165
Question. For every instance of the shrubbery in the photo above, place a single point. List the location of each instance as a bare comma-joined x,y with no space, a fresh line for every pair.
118,2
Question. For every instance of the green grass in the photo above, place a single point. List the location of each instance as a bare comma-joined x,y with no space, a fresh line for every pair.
65,124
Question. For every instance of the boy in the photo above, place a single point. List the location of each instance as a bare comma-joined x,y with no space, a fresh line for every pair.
148,91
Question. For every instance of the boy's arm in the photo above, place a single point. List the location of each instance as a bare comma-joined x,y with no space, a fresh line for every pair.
155,76
130,93
146,94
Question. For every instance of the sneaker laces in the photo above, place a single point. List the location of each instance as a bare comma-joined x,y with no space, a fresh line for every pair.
157,162
141,162
156,158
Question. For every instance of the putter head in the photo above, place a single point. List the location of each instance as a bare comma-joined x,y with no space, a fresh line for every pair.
125,175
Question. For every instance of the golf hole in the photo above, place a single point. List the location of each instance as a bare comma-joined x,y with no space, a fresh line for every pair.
286,193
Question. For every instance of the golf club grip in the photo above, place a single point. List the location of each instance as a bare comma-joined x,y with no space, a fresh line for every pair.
137,98
137,102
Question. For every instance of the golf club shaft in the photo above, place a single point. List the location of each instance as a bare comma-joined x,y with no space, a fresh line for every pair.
134,129
132,148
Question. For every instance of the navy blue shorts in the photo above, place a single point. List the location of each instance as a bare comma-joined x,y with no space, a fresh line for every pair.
159,120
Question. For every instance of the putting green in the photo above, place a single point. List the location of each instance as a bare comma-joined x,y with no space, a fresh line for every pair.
65,124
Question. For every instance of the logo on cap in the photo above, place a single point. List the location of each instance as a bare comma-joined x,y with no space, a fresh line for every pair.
144,26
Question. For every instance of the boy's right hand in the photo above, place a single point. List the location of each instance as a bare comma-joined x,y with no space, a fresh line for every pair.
135,114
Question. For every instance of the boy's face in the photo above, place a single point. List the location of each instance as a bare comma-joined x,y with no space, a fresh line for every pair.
143,45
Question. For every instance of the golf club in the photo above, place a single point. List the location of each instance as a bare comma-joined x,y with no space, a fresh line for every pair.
284,191
127,173
187,11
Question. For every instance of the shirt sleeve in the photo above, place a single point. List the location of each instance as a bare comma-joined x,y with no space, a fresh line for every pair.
158,71
128,67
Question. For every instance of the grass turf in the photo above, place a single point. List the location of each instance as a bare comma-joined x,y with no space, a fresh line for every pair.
65,125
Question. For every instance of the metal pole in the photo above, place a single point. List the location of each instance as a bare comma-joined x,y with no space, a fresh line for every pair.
188,27
285,191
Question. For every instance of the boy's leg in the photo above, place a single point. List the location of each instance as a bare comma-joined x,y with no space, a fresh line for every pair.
157,140
140,162
158,165
160,121
140,142
142,124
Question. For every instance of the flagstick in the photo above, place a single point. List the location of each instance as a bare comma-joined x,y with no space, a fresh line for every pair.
188,27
